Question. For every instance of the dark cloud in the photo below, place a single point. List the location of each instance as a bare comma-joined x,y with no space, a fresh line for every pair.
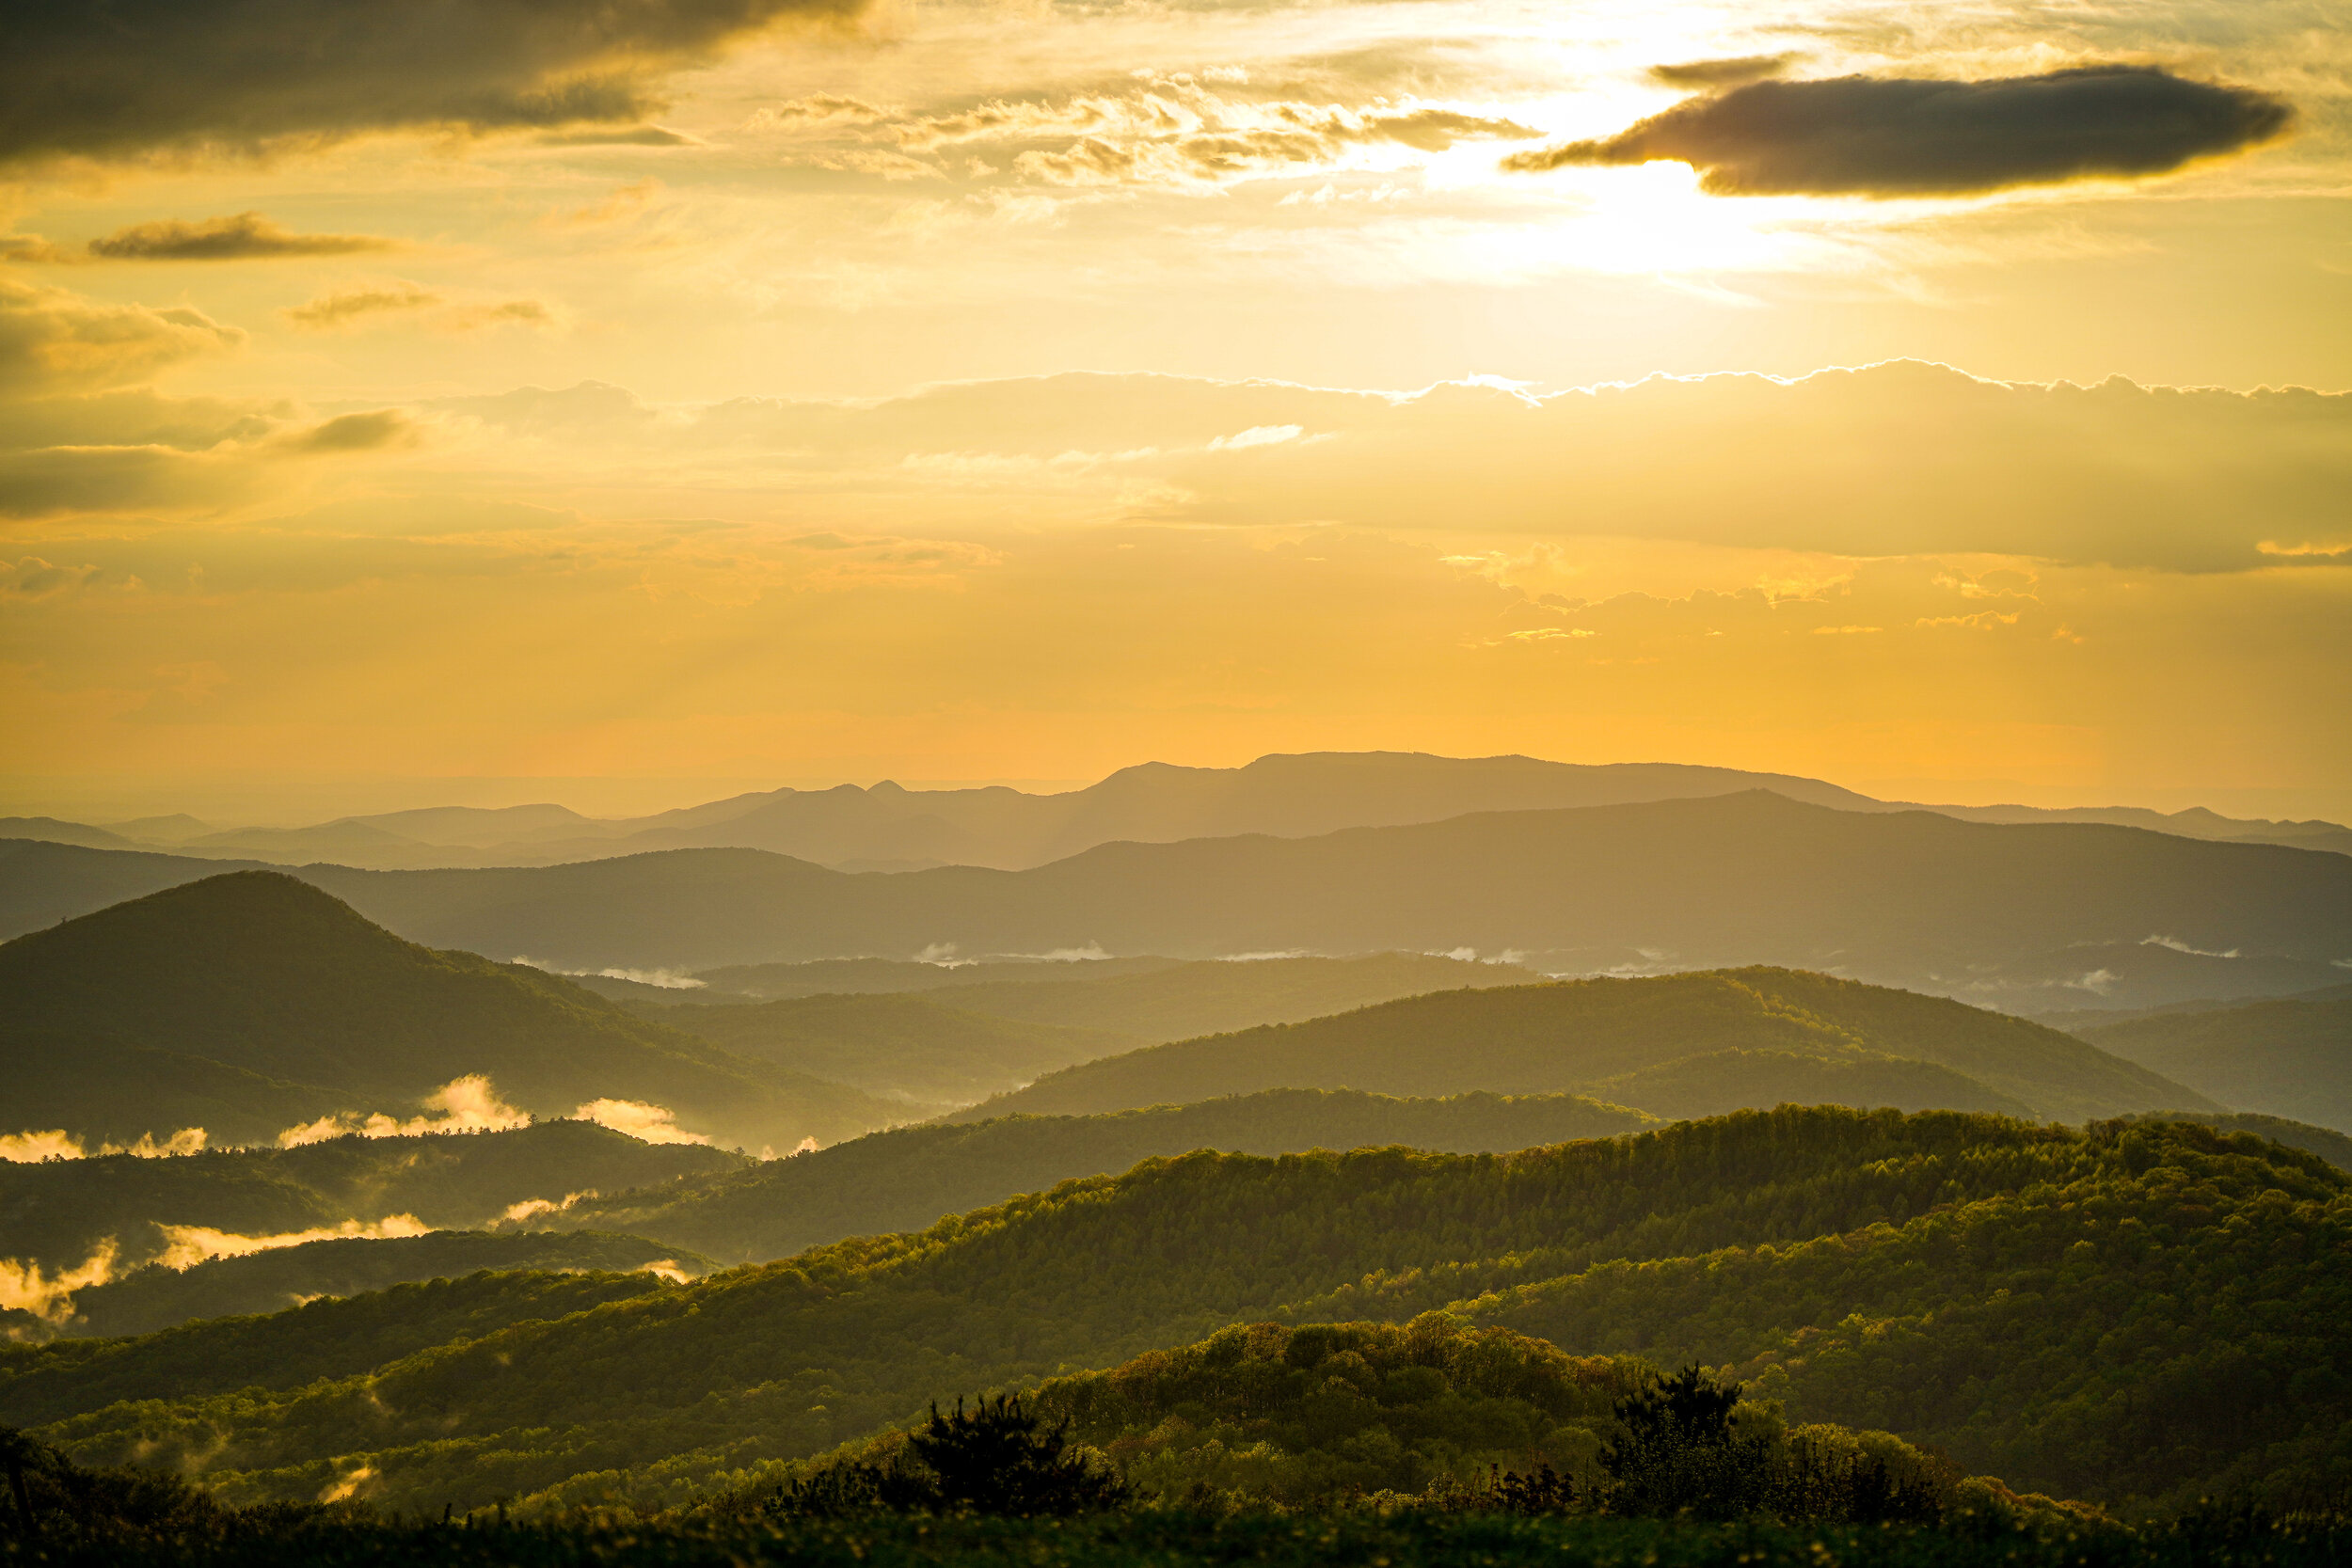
1721,73
346,432
623,136
244,237
1907,136
132,77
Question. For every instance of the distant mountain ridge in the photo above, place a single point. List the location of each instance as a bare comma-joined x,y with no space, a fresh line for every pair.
1662,1044
1989,913
887,826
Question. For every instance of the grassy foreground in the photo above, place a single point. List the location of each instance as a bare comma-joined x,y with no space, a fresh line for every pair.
1177,1540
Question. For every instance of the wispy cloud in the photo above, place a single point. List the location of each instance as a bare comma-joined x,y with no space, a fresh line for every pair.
247,236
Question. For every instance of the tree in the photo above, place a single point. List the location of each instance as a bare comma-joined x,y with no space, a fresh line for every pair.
1678,1451
999,1460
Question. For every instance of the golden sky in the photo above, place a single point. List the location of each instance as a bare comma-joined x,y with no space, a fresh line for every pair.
481,401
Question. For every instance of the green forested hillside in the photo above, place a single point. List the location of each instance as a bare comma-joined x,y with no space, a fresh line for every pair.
2291,1057
330,1338
56,1213
994,1033
264,974
912,1046
105,1090
1312,1418
157,1298
1720,1080
2330,1145
907,1177
1580,1034
2045,1296
1208,998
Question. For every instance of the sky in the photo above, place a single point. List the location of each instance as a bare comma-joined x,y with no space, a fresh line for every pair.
475,401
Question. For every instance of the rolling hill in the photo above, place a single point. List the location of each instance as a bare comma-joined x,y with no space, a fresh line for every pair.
157,1298
1771,1034
262,974
2290,1057
956,1044
907,1179
1215,996
1909,898
56,1213
901,1044
2036,1301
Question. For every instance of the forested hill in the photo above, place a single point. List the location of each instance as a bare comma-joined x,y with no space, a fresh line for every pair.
1643,1042
906,1044
56,1214
1208,998
272,1280
2039,1300
906,1179
2291,1057
267,975
960,1043
1906,897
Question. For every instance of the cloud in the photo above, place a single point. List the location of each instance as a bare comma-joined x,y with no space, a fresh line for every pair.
28,1148
136,76
512,312
653,1124
625,135
52,339
822,108
1721,73
467,1104
186,1246
1888,136
336,310
247,236
114,479
23,1287
346,432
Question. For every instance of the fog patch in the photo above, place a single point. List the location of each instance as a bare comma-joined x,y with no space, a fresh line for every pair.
467,1104
24,1288
532,1208
668,980
26,1149
645,1122
2177,946
186,1246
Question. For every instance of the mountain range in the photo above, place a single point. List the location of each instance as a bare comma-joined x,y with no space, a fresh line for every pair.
2018,916
887,826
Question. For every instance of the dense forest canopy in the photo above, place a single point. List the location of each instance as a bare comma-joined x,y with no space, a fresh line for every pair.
2031,1299
907,1177
2290,1057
